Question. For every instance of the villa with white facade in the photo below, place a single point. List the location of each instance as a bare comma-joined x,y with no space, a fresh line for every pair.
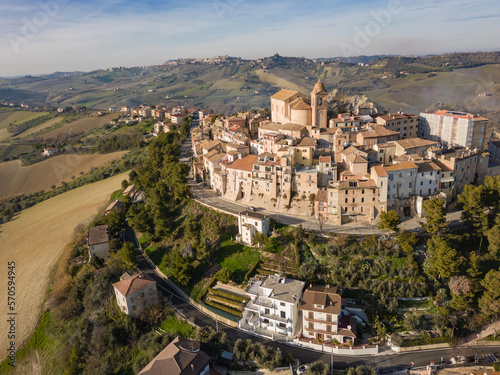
273,308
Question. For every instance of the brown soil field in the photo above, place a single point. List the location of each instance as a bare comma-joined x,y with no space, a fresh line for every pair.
82,125
35,240
16,179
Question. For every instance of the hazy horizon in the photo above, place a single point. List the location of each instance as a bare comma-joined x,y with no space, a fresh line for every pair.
75,35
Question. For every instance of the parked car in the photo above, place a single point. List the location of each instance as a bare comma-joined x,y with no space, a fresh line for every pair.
251,208
302,369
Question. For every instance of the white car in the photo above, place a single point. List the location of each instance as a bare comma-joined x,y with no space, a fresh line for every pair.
302,369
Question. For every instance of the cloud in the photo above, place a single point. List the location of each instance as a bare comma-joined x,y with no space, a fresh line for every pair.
93,34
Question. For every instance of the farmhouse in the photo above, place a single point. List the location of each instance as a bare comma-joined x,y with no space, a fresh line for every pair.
116,205
99,241
134,292
49,151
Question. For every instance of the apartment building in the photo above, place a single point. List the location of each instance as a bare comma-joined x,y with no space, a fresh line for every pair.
372,135
354,201
468,166
454,129
322,314
405,124
401,186
274,306
428,179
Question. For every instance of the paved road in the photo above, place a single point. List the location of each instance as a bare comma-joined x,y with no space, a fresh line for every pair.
386,359
209,197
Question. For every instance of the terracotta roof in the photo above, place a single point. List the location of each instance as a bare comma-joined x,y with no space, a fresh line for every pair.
350,150
397,116
308,142
322,295
443,166
359,159
462,115
414,142
118,205
98,235
215,158
300,104
133,284
380,171
322,196
212,144
181,356
345,322
325,159
401,166
378,131
245,164
284,94
428,166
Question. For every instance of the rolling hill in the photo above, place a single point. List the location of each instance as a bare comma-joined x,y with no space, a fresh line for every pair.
468,81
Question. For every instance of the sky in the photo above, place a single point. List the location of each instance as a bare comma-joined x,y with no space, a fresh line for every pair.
45,36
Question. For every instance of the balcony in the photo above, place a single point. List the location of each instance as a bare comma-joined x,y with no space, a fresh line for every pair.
319,320
264,302
274,317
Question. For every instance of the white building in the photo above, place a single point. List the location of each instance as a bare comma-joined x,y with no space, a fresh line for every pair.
401,181
99,241
428,179
250,223
273,307
453,128
135,292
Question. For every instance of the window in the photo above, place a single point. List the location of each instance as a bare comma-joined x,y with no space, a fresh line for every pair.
346,200
282,303
353,200
362,200
283,314
410,185
267,311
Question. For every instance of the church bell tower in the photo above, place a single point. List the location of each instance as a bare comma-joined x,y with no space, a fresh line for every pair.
319,106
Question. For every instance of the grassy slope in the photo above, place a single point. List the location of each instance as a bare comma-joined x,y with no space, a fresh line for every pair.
35,240
53,171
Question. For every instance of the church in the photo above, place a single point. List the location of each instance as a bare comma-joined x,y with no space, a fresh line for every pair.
288,106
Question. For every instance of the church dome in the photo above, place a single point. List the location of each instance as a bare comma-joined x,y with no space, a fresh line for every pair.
319,87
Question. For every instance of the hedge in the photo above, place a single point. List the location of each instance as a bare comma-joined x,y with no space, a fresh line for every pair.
227,295
252,270
224,308
225,301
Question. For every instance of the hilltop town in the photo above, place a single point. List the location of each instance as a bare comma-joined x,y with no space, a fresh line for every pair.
347,168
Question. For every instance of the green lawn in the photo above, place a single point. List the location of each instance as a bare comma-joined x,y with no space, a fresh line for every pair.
173,325
236,257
